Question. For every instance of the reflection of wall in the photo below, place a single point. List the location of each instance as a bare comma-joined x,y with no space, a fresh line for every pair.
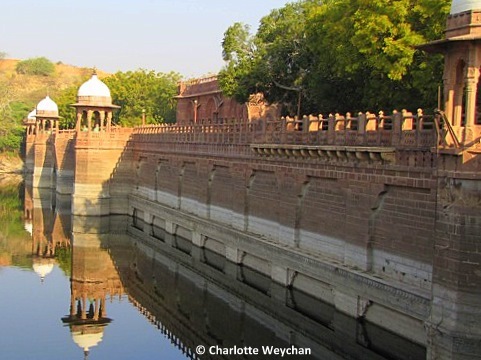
50,222
195,303
328,222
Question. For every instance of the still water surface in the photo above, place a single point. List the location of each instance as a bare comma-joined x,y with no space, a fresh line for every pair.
90,294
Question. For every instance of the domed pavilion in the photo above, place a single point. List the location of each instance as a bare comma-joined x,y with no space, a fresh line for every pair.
94,106
46,114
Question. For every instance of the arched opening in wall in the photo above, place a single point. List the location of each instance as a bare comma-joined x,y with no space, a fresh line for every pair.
48,125
84,121
96,121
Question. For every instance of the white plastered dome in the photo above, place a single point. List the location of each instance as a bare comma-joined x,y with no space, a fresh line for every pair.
46,107
94,87
42,268
87,340
32,114
459,6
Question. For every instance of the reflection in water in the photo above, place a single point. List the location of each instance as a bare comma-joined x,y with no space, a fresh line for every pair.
201,304
93,279
190,296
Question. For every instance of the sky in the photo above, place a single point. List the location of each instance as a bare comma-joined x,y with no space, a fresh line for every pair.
184,36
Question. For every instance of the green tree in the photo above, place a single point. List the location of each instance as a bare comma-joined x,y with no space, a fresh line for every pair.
339,55
239,52
36,66
274,61
370,45
145,90
64,100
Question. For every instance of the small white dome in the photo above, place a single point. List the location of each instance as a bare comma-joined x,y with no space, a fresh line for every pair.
47,105
43,269
94,87
459,6
87,340
32,114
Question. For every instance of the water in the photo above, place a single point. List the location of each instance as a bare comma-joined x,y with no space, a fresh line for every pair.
97,295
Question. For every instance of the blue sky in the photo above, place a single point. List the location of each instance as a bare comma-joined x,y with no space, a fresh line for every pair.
162,35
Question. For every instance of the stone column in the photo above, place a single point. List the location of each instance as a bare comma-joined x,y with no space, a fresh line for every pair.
471,91
89,120
79,121
102,119
109,120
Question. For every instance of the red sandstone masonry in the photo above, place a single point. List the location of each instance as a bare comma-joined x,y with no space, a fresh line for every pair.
334,198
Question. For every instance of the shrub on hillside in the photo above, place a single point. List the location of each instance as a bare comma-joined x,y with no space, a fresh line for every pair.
36,66
11,140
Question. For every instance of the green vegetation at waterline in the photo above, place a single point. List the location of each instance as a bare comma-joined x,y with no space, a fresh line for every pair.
15,241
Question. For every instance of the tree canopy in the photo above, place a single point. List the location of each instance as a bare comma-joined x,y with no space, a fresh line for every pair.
140,90
36,66
133,91
338,55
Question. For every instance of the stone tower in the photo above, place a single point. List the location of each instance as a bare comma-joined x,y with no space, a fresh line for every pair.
462,62
454,325
46,115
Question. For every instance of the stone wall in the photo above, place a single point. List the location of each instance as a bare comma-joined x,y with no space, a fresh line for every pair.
200,101
374,214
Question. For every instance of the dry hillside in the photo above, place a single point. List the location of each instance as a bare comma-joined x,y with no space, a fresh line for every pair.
32,88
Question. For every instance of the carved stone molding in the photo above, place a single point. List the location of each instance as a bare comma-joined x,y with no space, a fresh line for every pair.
327,153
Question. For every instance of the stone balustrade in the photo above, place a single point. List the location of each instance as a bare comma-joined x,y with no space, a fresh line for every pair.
397,130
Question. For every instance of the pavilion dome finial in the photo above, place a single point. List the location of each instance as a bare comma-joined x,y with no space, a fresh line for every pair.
459,6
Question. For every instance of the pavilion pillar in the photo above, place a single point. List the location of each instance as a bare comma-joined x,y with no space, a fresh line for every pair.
102,119
79,121
89,120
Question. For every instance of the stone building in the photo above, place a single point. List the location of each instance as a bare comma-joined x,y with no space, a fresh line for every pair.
461,48
200,101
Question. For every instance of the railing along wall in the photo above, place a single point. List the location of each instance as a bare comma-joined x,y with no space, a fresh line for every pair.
398,130
206,139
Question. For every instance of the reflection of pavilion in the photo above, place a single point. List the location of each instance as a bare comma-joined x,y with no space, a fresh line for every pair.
43,266
93,279
48,226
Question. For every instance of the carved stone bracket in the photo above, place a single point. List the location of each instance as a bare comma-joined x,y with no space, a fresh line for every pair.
327,153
